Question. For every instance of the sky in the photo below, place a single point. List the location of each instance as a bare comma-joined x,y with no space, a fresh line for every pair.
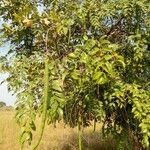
5,96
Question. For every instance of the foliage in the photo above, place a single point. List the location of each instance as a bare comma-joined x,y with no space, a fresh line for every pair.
98,54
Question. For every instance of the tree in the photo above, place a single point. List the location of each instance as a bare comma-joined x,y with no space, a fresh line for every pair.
94,59
2,104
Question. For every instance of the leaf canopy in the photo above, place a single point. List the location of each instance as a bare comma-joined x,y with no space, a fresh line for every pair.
99,62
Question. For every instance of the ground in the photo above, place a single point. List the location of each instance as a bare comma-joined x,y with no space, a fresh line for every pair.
58,138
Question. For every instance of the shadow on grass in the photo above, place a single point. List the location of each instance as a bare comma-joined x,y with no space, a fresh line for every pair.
90,141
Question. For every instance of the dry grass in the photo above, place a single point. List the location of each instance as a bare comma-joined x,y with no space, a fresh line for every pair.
59,138
8,131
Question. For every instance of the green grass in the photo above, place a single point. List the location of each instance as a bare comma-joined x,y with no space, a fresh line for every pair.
58,138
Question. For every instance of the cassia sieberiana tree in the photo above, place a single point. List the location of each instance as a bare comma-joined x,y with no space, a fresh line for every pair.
79,61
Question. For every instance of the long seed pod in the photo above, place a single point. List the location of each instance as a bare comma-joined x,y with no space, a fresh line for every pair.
46,96
45,104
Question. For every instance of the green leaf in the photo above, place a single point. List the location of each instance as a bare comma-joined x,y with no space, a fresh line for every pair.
97,75
32,125
72,55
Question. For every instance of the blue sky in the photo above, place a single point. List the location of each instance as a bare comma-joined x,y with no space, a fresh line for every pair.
5,96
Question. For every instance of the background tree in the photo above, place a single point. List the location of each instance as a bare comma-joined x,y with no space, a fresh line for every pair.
2,104
98,64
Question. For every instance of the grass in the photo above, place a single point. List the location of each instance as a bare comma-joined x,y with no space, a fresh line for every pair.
58,138
8,131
